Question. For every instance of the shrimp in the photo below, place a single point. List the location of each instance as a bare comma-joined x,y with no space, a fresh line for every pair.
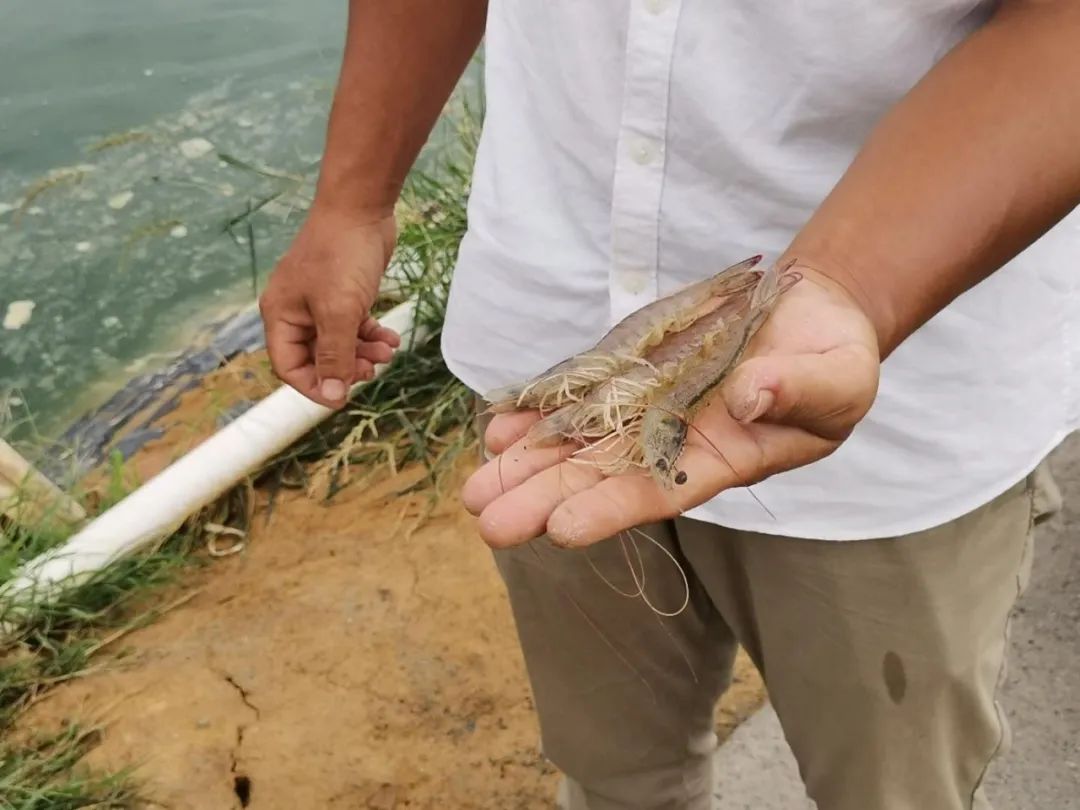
664,426
624,345
614,405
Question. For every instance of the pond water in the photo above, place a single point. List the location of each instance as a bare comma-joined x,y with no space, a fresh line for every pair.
135,136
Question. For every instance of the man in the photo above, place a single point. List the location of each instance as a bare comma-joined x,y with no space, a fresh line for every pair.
919,160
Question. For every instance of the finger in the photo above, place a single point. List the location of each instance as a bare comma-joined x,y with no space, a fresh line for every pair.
507,428
371,330
718,454
305,381
506,471
622,501
290,356
827,394
365,371
375,353
522,513
287,345
336,327
784,447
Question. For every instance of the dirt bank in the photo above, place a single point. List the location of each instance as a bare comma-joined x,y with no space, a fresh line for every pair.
339,661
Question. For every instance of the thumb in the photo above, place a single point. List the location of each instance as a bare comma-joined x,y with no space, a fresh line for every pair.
826,394
335,351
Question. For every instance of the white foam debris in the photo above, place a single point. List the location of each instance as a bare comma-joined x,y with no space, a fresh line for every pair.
148,72
18,314
35,210
6,208
244,122
178,232
110,322
84,247
118,201
194,148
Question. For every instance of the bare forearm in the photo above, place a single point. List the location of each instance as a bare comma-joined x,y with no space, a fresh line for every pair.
977,162
402,60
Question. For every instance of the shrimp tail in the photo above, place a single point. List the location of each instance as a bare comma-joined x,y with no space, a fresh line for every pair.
774,282
553,429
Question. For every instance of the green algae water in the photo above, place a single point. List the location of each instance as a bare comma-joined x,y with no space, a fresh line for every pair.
136,139
114,197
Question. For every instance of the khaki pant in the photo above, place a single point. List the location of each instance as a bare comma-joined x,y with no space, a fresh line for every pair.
882,657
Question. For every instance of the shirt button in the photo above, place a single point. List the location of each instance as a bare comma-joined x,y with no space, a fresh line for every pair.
644,152
634,281
656,6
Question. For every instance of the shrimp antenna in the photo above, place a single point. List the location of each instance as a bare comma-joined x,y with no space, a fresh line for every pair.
748,488
588,619
691,426
608,582
641,584
657,614
498,468
639,581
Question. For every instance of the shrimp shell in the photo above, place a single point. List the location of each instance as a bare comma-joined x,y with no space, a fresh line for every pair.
626,342
614,404
664,426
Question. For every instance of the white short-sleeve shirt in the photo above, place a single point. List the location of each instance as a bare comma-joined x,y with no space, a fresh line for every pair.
630,148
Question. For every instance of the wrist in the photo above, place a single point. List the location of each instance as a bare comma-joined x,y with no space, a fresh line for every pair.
843,278
349,213
355,193
328,231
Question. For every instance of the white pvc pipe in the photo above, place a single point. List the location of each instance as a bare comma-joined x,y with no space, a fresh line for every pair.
159,507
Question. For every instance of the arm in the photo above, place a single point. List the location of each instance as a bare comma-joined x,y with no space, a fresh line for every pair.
402,60
978,161
972,166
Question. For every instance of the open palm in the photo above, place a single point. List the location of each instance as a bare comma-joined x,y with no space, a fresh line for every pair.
808,377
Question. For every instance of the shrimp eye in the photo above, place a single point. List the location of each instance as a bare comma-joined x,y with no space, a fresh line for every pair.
680,477
661,464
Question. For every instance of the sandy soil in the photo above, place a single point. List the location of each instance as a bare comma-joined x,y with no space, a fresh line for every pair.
340,661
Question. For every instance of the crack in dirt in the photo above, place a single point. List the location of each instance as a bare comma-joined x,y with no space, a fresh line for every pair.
244,697
241,781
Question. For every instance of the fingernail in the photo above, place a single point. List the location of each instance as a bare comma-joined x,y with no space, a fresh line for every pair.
758,407
333,390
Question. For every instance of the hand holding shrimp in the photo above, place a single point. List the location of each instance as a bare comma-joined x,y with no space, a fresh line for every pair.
807,377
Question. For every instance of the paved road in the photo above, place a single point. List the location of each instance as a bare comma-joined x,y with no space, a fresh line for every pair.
1041,695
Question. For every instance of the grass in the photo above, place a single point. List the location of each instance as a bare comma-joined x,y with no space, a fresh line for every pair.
45,774
414,413
46,642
